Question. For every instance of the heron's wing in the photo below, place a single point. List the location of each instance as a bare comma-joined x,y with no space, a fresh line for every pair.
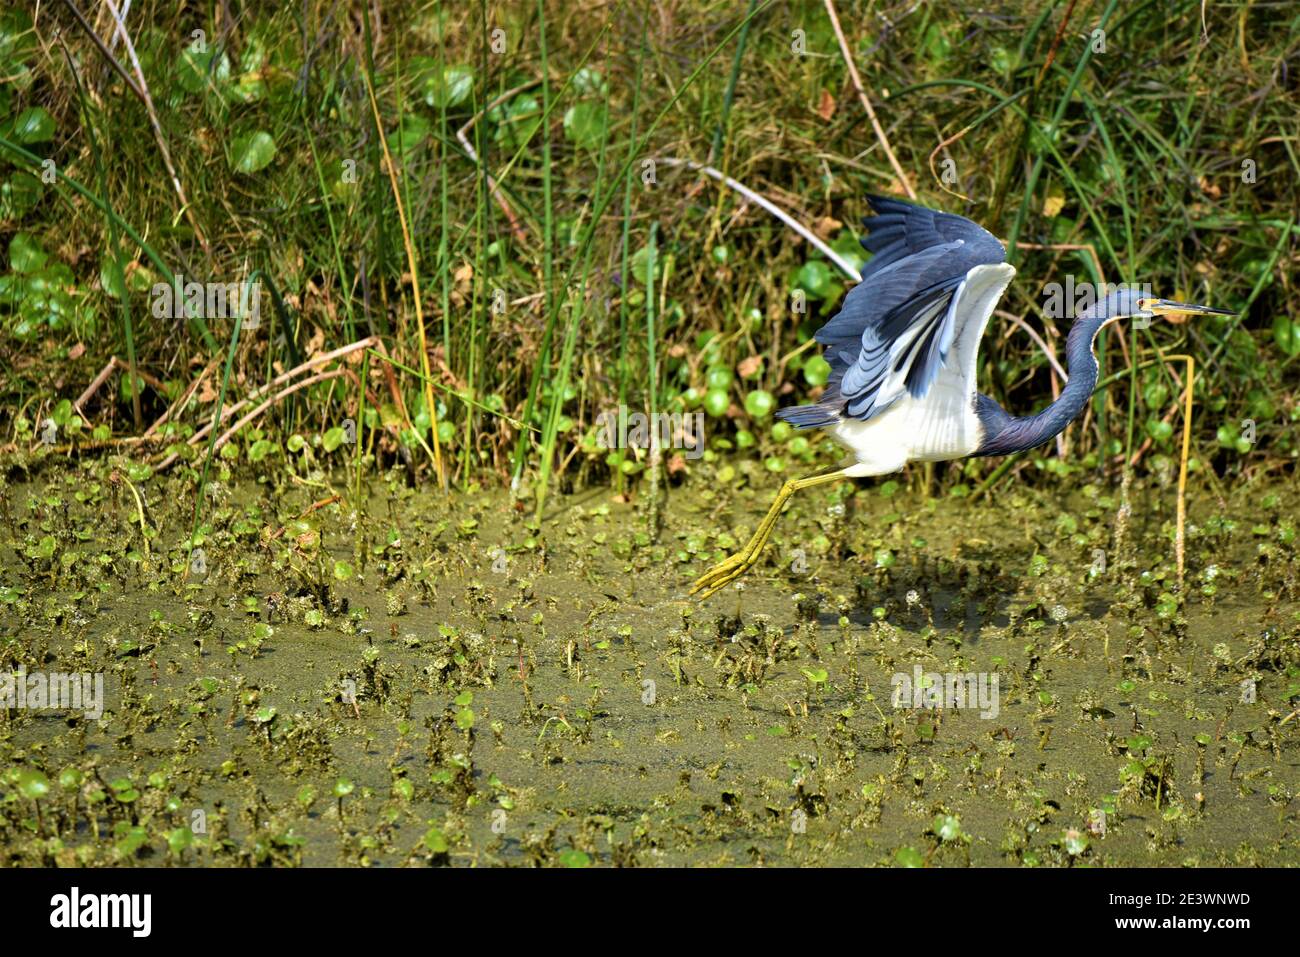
897,326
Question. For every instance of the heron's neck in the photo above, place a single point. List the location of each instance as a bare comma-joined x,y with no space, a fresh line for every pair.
1004,433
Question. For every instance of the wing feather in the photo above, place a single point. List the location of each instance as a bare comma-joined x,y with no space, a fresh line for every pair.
896,328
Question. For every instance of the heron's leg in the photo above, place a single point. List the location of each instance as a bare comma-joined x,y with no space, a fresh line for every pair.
731,568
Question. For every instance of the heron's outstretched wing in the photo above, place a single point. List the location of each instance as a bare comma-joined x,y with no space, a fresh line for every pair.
897,326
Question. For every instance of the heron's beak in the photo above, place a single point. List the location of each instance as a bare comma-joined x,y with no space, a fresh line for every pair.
1164,307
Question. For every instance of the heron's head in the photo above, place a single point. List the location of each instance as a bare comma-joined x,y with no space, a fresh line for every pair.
1131,303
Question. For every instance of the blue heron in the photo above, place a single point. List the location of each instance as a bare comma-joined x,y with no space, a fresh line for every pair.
903,352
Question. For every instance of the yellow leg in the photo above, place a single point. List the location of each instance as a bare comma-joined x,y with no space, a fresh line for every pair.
731,568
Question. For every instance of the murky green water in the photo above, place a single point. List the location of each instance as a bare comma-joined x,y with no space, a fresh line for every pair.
344,689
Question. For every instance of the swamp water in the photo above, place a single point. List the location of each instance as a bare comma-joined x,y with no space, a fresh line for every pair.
902,681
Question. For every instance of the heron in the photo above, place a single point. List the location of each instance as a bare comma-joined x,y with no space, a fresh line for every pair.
903,351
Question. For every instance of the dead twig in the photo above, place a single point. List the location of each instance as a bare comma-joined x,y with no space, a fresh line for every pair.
113,363
845,266
866,101
273,400
141,90
462,134
304,513
184,398
312,363
1051,359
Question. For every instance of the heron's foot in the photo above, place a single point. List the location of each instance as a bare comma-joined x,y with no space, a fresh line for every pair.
724,573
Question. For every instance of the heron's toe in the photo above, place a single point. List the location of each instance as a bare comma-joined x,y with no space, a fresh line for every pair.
707,591
721,575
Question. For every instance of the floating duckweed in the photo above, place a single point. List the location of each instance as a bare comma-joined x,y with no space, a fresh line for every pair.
759,403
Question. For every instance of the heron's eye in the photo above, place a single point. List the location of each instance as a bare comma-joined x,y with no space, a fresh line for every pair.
1145,304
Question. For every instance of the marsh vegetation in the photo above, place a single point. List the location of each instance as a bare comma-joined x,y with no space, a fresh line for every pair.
364,580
